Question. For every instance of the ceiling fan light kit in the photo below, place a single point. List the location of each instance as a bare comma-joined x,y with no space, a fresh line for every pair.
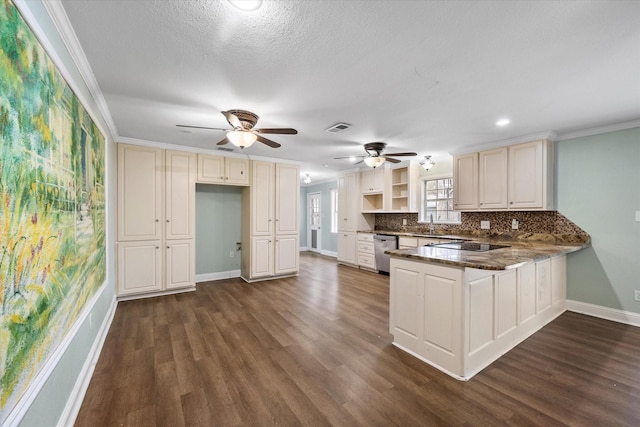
374,162
241,138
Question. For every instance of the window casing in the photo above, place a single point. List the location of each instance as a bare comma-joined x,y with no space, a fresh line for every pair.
437,201
334,211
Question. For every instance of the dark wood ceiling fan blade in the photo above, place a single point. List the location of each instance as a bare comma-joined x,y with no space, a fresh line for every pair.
389,159
283,131
349,157
201,127
224,141
401,154
268,142
358,162
232,119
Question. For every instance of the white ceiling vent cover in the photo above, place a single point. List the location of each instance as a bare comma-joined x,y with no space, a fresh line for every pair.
338,127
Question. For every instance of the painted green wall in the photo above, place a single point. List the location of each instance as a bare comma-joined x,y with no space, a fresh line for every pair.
49,404
218,228
598,188
329,241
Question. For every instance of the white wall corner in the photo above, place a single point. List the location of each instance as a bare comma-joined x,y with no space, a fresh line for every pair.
607,313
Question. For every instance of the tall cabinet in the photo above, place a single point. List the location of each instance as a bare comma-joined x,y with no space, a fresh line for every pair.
156,217
270,221
350,219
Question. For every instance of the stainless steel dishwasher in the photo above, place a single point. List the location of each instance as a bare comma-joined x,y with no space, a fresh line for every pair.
381,243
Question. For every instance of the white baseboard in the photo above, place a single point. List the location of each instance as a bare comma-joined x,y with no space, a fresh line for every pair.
206,277
614,314
303,249
329,253
72,408
19,411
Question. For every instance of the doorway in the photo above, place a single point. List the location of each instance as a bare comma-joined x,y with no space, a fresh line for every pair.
314,234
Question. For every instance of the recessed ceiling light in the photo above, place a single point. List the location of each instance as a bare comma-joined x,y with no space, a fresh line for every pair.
503,122
246,5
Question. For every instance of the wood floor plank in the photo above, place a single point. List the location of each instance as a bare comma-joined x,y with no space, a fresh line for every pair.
315,350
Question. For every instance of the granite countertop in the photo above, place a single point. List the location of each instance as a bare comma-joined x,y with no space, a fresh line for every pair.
518,252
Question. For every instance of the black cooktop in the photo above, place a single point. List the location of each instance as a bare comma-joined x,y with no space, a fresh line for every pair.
470,246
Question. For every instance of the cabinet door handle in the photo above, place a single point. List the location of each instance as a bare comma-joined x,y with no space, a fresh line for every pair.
168,247
157,220
157,247
168,221
510,203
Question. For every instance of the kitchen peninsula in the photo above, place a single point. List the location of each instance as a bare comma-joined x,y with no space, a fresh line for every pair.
460,310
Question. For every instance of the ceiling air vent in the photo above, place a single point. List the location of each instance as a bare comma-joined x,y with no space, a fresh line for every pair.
338,127
225,149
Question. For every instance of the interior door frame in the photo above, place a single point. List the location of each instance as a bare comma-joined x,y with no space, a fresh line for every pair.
310,196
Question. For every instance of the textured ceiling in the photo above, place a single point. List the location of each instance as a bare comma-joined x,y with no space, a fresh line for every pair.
430,77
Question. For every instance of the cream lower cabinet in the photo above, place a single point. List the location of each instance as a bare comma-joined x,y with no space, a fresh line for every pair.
461,319
366,252
347,248
274,256
156,216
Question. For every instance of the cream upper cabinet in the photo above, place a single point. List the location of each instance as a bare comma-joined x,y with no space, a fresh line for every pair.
465,181
287,205
262,198
236,171
180,196
493,175
531,175
372,181
347,202
140,193
517,177
223,170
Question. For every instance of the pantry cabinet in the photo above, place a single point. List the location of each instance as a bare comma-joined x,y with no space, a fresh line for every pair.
271,221
350,219
223,170
156,216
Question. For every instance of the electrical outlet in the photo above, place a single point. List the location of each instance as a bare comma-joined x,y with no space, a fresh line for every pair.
404,221
636,295
514,224
484,225
231,254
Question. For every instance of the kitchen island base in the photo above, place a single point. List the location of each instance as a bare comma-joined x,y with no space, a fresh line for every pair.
460,320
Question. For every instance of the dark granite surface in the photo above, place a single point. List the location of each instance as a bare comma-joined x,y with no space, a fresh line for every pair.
520,250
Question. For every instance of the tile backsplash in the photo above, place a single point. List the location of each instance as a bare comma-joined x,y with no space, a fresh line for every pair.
529,222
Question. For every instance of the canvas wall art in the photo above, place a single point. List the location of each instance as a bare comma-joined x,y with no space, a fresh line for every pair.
52,205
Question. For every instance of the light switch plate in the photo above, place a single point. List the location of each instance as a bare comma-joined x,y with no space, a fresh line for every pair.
484,225
637,216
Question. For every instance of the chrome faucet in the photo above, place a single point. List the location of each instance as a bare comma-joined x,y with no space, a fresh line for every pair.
430,223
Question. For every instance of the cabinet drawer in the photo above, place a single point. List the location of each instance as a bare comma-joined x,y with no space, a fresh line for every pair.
365,260
365,247
365,237
411,242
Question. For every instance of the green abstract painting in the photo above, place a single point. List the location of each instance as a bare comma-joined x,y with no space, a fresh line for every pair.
52,223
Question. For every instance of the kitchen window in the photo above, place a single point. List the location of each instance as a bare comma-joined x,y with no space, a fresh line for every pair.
437,201
334,211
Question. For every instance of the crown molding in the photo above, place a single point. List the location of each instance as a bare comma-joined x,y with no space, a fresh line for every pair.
213,152
599,129
550,135
61,21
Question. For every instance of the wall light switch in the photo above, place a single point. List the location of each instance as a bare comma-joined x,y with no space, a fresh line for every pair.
404,221
514,224
637,216
484,225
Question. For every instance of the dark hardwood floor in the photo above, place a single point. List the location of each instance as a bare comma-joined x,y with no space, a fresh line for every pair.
315,350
